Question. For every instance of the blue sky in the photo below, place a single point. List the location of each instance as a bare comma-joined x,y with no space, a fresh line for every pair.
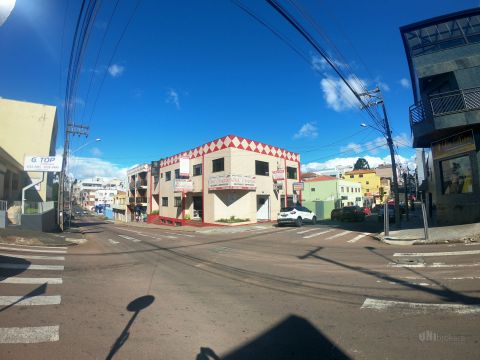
187,72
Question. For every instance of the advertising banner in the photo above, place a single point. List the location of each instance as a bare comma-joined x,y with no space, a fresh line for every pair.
184,166
182,185
278,174
232,182
43,163
298,186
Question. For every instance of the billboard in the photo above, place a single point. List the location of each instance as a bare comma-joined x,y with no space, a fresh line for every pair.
43,163
182,185
232,182
278,174
298,186
184,166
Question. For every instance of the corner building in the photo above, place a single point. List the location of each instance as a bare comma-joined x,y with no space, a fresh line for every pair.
230,177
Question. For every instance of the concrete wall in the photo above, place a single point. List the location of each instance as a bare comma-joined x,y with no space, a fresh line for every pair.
46,221
28,129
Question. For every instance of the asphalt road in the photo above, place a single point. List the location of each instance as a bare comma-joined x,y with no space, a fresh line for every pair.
316,292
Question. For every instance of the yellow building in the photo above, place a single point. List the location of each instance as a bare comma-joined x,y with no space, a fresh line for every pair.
369,180
26,129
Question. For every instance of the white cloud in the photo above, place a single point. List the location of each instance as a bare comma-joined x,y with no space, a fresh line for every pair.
337,94
173,98
383,86
356,148
96,152
405,83
401,141
116,70
308,130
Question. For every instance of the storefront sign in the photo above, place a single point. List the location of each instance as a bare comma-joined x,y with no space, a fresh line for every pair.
43,163
453,145
182,185
277,186
298,186
184,166
278,174
232,182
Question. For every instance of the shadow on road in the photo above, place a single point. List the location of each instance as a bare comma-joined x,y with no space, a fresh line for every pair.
42,289
15,266
294,338
135,306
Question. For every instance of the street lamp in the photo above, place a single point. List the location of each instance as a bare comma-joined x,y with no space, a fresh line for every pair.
88,143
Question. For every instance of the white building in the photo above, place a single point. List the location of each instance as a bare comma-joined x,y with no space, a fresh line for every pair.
85,191
105,197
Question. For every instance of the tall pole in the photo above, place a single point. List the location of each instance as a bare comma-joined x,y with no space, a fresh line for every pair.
394,165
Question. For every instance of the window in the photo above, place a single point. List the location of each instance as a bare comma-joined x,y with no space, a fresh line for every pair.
456,175
348,189
177,173
261,168
168,176
368,190
177,201
342,189
351,176
161,176
361,175
291,172
164,201
312,189
367,182
197,170
218,165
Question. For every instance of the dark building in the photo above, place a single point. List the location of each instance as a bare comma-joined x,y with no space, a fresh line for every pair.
443,55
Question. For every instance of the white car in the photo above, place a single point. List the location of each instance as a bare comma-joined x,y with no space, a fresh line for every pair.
296,215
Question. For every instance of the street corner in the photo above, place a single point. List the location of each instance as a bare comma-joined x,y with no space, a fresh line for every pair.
28,238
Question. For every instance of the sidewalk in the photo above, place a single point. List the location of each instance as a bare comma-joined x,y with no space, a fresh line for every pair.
14,235
413,233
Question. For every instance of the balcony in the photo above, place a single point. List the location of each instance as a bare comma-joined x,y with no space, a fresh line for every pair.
142,183
141,200
433,119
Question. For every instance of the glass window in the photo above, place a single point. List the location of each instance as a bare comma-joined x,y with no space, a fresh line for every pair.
177,173
197,170
312,189
168,176
164,201
361,175
218,165
341,189
348,189
261,168
177,201
456,175
291,172
351,176
367,182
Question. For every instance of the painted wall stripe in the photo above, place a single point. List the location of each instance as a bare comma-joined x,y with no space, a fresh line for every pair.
383,305
30,266
38,257
316,234
25,280
338,235
29,335
33,300
444,253
33,250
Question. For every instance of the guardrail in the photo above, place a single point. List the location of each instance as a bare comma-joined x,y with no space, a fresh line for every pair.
444,104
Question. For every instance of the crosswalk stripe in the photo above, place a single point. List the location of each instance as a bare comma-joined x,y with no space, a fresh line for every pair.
338,235
30,267
111,241
376,304
38,257
187,235
24,280
316,234
129,238
358,237
33,250
29,301
445,253
29,335
305,231
39,247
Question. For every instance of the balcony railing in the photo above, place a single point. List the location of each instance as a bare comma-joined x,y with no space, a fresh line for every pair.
444,104
142,199
140,183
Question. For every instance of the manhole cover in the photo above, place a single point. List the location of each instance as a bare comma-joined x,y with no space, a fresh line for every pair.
410,260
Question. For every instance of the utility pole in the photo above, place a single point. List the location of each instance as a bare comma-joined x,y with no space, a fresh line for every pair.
80,130
405,185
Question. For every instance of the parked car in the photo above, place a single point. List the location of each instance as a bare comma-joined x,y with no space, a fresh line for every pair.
336,214
352,213
381,212
296,215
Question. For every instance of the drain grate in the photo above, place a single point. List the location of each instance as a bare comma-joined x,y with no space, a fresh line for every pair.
410,260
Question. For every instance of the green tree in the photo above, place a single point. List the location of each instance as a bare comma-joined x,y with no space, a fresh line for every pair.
361,164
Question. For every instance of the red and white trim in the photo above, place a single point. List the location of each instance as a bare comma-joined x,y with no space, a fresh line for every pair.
232,141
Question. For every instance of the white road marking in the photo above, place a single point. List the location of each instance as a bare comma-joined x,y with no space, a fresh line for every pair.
338,235
305,231
111,241
29,335
187,235
24,280
434,265
291,229
129,238
39,247
30,267
316,234
33,250
38,257
444,253
381,305
358,237
29,301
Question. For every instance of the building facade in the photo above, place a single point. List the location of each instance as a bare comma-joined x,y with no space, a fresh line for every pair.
26,129
226,179
370,184
139,201
443,55
119,206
